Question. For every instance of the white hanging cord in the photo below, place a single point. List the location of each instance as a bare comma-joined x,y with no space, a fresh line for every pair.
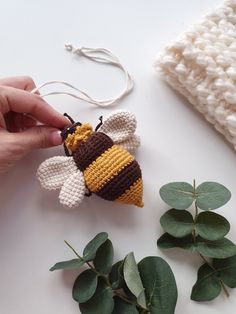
99,55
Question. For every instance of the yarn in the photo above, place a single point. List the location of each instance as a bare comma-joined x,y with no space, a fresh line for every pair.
99,55
106,166
54,171
132,195
201,65
80,135
98,162
95,145
73,190
120,126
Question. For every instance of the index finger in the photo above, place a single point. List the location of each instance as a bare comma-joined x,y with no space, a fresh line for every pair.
20,82
12,99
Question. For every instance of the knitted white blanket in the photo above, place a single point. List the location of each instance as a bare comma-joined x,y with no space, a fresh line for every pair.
201,65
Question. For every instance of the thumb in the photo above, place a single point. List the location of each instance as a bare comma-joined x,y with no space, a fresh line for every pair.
39,137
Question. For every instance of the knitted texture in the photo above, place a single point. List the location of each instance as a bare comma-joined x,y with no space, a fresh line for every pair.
73,190
53,172
131,143
109,170
131,195
80,135
120,126
119,184
87,152
201,65
98,163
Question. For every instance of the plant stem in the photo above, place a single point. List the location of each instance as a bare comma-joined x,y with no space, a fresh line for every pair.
195,220
225,289
206,261
129,301
123,297
194,241
196,212
73,250
194,187
212,267
80,257
106,280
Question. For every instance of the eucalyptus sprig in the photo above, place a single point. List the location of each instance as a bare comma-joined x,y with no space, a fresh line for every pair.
121,288
203,232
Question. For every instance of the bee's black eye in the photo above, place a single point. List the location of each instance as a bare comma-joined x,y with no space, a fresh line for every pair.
66,131
69,130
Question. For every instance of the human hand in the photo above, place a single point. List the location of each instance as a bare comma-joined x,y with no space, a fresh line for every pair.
20,111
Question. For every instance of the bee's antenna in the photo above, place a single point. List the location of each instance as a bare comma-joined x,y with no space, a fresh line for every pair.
99,124
66,150
69,117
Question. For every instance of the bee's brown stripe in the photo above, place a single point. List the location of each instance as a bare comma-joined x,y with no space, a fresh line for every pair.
106,167
89,151
121,182
133,195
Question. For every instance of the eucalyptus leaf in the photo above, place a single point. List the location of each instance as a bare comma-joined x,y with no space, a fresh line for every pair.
71,264
179,195
123,307
178,223
141,299
166,241
160,286
129,294
101,302
85,286
227,270
133,279
212,226
212,195
91,248
222,248
104,257
208,285
116,275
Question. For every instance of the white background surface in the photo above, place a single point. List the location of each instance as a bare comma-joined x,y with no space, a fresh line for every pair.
177,145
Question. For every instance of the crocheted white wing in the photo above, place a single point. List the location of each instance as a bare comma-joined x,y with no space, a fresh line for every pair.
61,172
73,190
120,126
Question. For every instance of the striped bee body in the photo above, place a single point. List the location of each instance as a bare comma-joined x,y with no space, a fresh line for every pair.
109,170
97,161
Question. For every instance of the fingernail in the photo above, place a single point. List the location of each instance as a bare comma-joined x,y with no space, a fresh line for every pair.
56,138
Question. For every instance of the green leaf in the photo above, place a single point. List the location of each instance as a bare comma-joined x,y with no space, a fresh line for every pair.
166,241
104,257
129,294
122,307
179,195
212,195
71,264
85,286
177,223
116,275
101,302
208,285
92,247
227,270
133,280
160,286
222,248
212,226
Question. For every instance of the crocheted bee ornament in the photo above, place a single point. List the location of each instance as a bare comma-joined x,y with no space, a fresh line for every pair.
99,161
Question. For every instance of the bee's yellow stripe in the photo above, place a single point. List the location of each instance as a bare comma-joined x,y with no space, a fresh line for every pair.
133,195
106,167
